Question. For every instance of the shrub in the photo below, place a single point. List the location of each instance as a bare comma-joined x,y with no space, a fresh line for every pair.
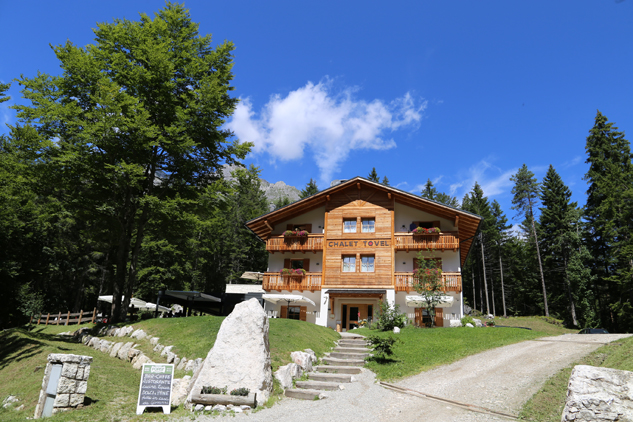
213,390
383,345
390,317
466,320
242,391
490,323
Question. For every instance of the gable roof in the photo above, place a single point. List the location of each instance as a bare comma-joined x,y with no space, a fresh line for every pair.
467,222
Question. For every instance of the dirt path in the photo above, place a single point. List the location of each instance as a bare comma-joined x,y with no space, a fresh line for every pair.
501,379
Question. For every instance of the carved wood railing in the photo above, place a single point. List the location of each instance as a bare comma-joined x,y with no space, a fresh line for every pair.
452,282
410,241
276,281
313,242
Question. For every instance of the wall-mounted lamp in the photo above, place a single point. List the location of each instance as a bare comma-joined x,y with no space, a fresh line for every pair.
403,226
404,263
317,263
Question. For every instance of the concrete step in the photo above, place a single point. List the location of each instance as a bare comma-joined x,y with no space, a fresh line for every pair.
338,369
348,341
351,349
346,344
340,378
297,393
343,355
343,362
318,385
351,336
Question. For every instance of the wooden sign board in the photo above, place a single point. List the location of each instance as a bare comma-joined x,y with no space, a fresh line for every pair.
155,390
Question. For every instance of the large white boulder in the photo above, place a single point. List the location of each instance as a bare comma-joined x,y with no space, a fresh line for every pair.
303,359
285,374
241,354
455,323
599,394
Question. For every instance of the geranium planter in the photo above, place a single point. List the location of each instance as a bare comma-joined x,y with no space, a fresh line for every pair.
207,399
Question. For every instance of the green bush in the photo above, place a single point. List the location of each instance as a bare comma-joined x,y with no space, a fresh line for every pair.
467,319
383,345
214,390
242,391
390,317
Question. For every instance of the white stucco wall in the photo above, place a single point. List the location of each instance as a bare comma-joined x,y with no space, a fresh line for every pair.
455,309
315,217
276,260
405,215
404,260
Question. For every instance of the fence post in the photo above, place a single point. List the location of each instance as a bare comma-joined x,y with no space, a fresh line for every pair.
59,318
81,314
31,320
94,315
67,318
48,317
39,317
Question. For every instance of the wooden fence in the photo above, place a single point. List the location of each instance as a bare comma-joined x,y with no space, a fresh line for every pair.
66,318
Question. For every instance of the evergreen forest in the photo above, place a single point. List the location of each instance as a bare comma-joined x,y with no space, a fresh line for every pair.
111,183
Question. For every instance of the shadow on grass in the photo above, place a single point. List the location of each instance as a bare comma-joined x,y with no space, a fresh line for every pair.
382,360
22,343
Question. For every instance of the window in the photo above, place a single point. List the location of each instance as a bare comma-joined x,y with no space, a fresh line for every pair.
294,312
349,226
367,264
349,264
296,264
369,225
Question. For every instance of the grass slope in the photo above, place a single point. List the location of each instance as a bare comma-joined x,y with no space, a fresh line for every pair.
423,349
548,403
113,384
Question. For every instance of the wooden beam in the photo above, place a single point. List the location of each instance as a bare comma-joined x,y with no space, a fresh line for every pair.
457,221
358,185
389,195
268,225
328,198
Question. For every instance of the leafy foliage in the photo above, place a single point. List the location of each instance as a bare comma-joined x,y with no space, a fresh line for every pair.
214,390
383,346
389,317
242,391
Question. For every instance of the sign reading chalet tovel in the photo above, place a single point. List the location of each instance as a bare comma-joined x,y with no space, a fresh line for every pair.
361,248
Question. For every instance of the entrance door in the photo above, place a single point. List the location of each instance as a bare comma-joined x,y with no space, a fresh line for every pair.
356,312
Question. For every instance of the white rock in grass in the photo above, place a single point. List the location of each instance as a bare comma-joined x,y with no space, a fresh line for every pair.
470,325
455,323
285,374
182,363
240,356
396,330
154,341
115,349
313,355
189,365
179,390
198,408
208,408
124,350
159,348
166,350
170,357
302,359
140,360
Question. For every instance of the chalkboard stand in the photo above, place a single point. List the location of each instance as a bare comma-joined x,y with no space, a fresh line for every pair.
155,389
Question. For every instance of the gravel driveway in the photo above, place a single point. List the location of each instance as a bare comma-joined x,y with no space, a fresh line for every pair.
500,379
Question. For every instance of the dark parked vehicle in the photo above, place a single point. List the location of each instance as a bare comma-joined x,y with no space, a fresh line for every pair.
593,331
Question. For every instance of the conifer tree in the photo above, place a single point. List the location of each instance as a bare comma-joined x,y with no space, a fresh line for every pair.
430,192
500,237
373,175
556,224
609,215
310,189
385,181
526,193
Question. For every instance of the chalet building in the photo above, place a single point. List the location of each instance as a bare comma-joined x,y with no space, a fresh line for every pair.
360,250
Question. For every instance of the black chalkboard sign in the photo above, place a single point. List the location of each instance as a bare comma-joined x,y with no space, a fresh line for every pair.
155,390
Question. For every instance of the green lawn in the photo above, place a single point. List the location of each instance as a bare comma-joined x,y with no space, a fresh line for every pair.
548,403
113,384
423,349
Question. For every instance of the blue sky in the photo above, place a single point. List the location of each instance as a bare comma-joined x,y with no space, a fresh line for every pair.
456,92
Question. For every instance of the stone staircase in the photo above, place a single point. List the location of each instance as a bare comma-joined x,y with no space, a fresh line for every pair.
343,361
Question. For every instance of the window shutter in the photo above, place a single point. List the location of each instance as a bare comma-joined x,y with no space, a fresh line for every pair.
302,315
439,317
418,317
290,226
416,264
284,312
306,265
287,263
436,224
308,227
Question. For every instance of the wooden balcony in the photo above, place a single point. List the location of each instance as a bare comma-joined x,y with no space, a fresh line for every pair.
276,281
452,282
442,241
313,242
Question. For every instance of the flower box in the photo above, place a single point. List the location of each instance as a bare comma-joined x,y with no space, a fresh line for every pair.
298,272
423,231
296,233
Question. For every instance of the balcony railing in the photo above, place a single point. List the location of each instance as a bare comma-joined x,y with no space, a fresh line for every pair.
313,242
452,282
410,241
276,281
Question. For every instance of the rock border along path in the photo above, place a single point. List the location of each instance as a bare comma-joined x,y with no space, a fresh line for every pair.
346,359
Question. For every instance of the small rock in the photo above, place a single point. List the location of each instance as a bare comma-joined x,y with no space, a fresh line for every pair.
166,350
237,409
470,325
154,341
20,407
208,408
245,407
182,364
219,408
158,348
303,360
313,355
396,330
198,408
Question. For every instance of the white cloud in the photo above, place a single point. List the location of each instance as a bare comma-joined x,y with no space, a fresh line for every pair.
577,159
492,179
330,124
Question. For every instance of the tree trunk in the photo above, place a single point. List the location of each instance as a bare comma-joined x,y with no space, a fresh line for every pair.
540,266
472,272
572,305
483,266
503,293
